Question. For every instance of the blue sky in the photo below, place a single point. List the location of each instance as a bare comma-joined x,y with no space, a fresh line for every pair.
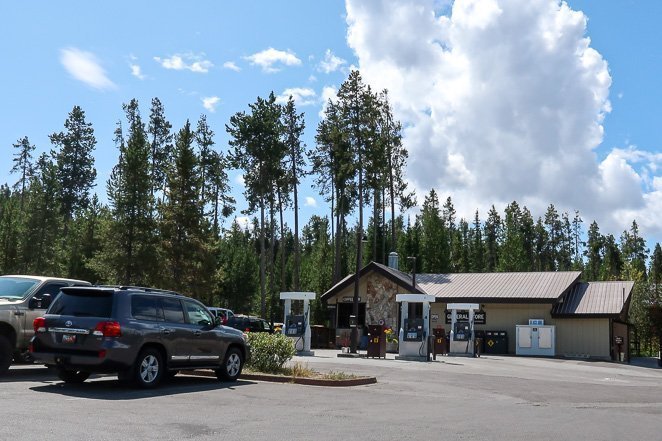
501,99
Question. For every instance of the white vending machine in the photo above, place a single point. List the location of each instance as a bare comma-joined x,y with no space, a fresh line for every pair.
536,338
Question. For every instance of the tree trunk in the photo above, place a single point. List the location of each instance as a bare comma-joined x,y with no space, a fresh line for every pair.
272,252
375,222
339,225
282,244
297,251
263,283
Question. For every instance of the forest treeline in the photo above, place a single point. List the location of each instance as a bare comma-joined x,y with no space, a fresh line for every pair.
167,219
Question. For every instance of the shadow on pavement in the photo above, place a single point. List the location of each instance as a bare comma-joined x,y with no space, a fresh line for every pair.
647,362
109,388
33,373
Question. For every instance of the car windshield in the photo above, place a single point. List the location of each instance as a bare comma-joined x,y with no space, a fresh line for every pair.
14,288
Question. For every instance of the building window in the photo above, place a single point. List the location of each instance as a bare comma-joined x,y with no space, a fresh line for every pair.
345,310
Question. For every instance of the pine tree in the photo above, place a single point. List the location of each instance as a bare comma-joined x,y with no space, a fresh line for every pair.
435,253
128,255
160,148
258,151
23,165
593,253
75,164
184,234
492,234
294,125
477,246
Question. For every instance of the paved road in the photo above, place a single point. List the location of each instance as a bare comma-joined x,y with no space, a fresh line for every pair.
491,398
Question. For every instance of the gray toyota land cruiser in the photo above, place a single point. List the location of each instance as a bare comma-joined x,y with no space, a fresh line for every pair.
141,334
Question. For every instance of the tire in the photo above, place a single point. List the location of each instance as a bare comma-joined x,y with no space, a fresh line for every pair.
232,365
6,354
72,377
149,369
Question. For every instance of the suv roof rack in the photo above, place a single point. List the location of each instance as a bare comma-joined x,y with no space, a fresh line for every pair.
141,288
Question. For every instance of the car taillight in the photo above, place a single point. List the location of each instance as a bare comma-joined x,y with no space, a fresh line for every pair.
39,324
108,329
247,330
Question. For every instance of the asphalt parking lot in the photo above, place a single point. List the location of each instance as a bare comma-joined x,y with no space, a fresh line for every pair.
489,398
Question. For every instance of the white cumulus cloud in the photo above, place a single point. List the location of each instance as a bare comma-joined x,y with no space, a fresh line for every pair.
84,66
188,61
502,100
271,60
231,65
136,71
330,63
303,96
310,202
210,103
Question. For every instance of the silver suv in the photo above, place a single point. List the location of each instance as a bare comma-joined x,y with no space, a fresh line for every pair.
22,299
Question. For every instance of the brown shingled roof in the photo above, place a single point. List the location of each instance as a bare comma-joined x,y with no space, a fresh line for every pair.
595,299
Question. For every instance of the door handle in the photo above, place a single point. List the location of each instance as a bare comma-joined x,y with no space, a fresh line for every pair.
19,313
167,331
197,333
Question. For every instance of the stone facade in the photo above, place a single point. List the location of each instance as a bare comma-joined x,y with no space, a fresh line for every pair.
380,301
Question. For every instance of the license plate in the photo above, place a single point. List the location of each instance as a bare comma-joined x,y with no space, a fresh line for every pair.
66,338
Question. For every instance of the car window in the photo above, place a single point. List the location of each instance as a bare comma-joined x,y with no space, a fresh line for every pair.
83,304
172,310
15,287
146,308
51,288
197,314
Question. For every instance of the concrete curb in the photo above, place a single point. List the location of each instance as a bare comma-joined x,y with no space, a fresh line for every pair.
296,380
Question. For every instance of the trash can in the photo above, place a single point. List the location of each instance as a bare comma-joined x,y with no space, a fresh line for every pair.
479,343
439,344
376,341
495,342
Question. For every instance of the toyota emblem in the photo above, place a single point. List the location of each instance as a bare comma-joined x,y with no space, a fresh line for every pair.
68,323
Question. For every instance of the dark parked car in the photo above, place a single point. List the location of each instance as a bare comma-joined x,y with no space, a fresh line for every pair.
249,324
143,335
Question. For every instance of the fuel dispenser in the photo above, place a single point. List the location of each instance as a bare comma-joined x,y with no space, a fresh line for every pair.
297,326
414,331
462,338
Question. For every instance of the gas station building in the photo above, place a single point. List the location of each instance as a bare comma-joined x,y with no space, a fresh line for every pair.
584,319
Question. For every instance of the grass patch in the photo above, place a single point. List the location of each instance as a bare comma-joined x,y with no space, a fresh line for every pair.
301,370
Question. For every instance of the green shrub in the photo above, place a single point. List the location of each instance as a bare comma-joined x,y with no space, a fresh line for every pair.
269,352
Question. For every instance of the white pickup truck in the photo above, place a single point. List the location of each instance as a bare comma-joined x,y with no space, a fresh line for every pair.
23,299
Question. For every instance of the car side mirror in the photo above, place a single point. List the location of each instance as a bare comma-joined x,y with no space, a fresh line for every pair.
42,302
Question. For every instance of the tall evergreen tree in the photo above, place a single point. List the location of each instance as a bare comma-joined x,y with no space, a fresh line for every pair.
492,233
160,147
593,252
184,234
258,150
23,165
294,125
477,246
75,164
129,252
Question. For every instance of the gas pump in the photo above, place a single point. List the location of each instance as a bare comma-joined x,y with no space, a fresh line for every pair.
297,326
462,328
414,331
